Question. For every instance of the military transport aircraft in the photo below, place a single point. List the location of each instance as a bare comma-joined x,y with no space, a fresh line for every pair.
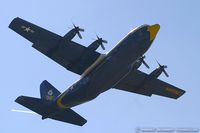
118,69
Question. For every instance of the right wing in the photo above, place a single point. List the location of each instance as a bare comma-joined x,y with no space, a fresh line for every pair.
68,54
140,83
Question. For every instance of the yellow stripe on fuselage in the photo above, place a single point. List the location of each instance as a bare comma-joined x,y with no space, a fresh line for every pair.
96,63
59,101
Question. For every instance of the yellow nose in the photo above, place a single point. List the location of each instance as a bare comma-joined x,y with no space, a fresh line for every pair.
153,29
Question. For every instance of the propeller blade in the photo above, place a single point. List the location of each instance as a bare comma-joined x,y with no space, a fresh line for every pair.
97,37
77,28
158,63
82,30
166,74
79,35
102,46
145,64
142,57
74,25
104,41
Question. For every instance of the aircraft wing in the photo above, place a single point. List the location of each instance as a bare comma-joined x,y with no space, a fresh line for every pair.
140,83
67,53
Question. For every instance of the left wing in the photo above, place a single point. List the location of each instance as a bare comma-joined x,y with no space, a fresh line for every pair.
69,54
141,83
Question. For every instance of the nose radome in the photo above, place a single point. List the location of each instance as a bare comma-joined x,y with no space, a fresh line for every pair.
153,29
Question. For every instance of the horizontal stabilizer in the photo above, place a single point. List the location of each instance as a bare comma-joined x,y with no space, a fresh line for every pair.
69,116
35,104
47,110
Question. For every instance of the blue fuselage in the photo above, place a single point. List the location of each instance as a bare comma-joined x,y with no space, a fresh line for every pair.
113,68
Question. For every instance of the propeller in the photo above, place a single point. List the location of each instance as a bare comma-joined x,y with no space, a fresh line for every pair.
100,41
142,60
163,67
77,29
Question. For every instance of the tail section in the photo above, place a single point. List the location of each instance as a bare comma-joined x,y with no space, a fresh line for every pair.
48,92
47,110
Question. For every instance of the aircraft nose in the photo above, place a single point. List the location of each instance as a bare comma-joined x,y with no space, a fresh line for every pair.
153,29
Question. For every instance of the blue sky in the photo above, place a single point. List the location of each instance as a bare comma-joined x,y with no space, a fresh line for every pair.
177,45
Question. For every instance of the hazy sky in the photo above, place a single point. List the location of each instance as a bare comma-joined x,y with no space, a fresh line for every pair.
177,46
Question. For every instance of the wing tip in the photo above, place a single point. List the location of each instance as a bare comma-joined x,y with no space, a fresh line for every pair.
13,22
182,92
19,99
83,123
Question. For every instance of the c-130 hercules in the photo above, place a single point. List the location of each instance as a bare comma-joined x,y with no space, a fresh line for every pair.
118,69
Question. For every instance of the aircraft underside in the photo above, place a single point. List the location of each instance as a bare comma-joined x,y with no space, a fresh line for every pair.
118,69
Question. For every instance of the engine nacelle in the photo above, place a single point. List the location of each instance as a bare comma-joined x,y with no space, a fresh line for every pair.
71,34
158,71
99,42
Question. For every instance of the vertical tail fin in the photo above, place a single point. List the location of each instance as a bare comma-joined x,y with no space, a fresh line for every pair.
48,92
